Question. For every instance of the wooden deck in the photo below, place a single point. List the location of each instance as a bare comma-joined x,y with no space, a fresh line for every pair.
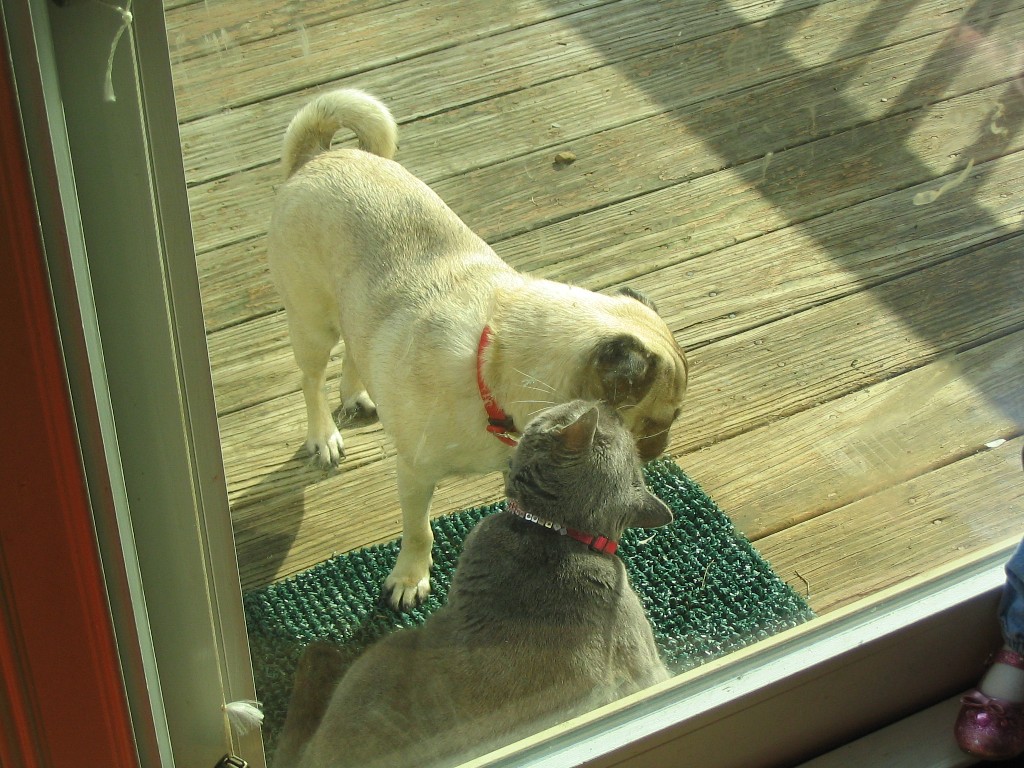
765,170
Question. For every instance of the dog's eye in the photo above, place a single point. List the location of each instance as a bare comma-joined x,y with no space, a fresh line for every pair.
675,413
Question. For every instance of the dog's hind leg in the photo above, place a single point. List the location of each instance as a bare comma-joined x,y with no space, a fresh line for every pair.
312,343
409,582
354,398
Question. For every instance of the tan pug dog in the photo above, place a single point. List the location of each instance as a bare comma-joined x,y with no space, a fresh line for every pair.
451,346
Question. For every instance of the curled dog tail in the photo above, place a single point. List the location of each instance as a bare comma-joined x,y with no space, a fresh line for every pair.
311,130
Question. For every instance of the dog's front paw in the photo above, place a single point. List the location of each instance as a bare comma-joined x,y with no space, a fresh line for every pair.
403,593
328,451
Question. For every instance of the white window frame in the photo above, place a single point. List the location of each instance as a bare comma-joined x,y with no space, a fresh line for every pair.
114,213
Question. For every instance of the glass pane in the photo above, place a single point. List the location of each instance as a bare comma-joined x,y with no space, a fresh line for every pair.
818,197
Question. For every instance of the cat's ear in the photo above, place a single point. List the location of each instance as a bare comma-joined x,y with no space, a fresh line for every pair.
651,512
579,435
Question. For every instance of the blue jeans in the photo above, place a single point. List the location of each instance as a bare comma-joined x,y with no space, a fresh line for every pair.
1011,606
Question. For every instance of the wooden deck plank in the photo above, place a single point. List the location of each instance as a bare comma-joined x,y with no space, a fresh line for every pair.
236,284
255,356
824,352
824,458
679,85
567,107
303,56
172,4
219,25
751,379
534,37
733,204
593,100
830,256
905,531
246,195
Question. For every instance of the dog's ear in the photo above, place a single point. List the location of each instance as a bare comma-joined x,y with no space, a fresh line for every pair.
621,371
633,293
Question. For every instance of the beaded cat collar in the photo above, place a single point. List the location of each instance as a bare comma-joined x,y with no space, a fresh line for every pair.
499,423
597,543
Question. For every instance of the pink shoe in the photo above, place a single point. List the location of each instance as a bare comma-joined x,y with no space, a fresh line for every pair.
992,728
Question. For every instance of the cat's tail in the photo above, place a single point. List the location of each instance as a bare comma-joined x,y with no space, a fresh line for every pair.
311,130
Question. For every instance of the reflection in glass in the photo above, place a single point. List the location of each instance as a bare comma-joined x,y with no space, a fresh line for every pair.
817,196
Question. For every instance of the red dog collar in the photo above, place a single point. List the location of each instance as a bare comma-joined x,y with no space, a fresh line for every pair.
499,423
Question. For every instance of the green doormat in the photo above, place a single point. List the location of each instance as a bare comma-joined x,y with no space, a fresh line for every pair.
705,588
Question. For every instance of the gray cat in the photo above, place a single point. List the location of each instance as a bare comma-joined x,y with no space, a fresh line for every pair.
541,623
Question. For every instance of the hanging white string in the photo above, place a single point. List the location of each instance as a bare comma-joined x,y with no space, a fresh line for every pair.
243,716
126,21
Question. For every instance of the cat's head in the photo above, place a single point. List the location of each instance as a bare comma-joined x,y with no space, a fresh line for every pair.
576,463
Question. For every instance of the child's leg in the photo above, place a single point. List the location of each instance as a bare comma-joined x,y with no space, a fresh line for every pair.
991,719
1003,681
1011,607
